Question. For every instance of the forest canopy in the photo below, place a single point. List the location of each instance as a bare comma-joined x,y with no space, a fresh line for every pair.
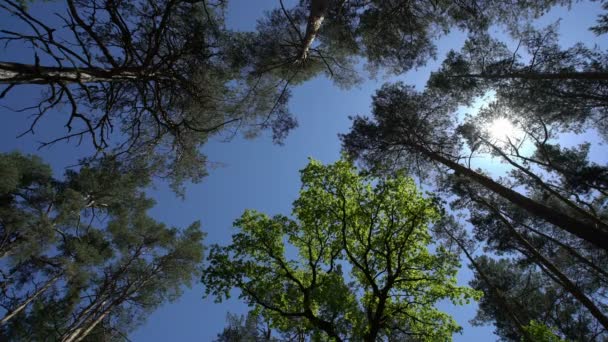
463,169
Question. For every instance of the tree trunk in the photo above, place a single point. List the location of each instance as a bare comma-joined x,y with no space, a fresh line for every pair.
323,325
17,73
79,332
571,251
585,231
93,324
564,281
598,223
318,9
374,324
583,75
497,293
23,305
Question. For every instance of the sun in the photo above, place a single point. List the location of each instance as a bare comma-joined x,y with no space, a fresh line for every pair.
501,129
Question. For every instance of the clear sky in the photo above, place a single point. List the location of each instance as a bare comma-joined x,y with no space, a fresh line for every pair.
255,173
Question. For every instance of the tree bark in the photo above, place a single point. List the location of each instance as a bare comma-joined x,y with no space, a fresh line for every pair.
585,231
598,223
318,10
497,293
571,251
18,73
564,281
378,315
583,75
10,315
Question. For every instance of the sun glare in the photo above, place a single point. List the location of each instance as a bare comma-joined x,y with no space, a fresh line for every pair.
501,129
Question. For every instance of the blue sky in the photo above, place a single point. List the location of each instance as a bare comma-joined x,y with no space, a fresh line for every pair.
255,173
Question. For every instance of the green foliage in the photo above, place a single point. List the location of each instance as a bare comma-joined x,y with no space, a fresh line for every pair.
362,269
535,298
565,88
245,328
557,275
389,35
153,91
541,333
82,256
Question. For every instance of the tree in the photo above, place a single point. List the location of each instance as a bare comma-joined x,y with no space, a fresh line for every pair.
419,131
509,230
374,229
24,181
455,237
387,34
84,256
565,87
245,328
537,300
149,80
602,22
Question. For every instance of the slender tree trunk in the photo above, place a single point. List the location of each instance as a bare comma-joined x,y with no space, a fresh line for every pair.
598,223
318,10
583,75
79,332
93,308
585,231
17,73
496,292
93,324
87,325
563,279
10,315
570,251
75,328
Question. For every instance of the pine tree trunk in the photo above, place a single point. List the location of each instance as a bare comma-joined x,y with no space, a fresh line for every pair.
587,232
564,281
570,251
318,9
17,73
583,75
497,293
93,324
84,327
598,223
75,328
10,315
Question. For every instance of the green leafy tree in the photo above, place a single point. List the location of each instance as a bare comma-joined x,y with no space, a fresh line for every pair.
83,257
354,264
542,333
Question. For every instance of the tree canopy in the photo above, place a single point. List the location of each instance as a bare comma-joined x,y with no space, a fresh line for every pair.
354,263
365,255
154,80
81,257
532,213
144,80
